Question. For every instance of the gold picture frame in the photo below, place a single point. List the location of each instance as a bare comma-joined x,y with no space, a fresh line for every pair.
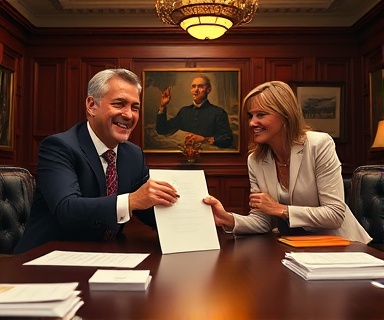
225,93
6,109
376,88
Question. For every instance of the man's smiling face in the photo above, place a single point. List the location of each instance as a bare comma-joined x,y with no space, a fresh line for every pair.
116,114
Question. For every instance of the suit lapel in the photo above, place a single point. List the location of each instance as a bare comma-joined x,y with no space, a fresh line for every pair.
131,169
296,160
91,156
270,176
122,168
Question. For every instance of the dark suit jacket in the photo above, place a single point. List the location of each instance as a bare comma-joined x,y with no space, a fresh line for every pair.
208,121
70,201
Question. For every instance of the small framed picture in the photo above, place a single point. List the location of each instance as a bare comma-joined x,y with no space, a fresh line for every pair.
323,106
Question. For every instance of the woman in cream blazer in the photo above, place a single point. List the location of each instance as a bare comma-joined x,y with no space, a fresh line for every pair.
294,173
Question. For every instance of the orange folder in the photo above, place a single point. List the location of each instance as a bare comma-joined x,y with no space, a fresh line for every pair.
314,241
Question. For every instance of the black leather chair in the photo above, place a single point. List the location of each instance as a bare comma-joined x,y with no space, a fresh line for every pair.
347,188
16,194
366,200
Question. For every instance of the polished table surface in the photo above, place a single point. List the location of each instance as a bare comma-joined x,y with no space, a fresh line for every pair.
245,279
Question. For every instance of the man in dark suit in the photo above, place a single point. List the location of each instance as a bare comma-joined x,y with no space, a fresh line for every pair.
71,201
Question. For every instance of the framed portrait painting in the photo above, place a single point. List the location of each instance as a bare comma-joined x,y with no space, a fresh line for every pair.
215,120
323,107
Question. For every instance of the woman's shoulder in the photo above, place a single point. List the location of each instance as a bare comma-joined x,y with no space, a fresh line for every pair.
316,137
253,161
318,141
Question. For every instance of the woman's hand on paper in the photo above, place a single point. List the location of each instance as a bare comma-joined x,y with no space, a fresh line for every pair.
222,217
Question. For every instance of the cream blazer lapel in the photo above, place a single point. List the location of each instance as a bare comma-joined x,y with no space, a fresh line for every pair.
295,164
270,175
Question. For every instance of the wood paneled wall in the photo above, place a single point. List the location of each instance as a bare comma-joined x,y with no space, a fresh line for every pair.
54,66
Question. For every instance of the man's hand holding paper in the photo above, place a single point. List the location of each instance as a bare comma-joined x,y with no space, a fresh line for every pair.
188,224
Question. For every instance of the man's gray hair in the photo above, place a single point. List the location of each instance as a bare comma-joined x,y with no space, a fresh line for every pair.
98,85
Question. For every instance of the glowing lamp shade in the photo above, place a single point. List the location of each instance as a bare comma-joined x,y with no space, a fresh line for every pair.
206,20
206,27
379,139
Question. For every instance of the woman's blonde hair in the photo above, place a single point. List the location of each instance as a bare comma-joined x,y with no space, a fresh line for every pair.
277,97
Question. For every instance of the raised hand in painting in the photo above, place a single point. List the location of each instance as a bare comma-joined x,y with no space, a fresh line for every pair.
165,98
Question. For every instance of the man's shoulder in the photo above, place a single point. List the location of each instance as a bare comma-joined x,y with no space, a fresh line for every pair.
207,104
69,139
69,134
73,131
191,106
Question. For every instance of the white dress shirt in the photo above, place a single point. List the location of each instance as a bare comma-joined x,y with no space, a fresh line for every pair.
122,204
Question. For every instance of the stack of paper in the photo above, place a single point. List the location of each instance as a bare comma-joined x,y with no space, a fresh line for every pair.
334,265
120,280
59,300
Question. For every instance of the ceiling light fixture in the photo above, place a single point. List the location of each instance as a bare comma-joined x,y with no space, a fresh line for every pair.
204,19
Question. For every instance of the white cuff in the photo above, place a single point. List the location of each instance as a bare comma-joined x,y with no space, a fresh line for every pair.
122,208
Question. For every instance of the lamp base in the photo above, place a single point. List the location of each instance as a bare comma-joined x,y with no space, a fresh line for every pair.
376,156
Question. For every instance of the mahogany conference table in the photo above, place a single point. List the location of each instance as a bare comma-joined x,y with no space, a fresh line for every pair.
245,279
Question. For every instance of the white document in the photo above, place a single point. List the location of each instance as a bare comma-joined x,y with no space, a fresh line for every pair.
188,225
89,259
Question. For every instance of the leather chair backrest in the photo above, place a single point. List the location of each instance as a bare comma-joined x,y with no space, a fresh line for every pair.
366,199
16,195
347,189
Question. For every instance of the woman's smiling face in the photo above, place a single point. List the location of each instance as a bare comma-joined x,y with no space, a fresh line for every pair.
265,125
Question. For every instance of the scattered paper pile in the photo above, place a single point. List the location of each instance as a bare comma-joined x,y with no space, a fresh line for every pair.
120,280
334,265
59,300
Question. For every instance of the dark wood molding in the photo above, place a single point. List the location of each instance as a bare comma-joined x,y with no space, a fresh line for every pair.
376,156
